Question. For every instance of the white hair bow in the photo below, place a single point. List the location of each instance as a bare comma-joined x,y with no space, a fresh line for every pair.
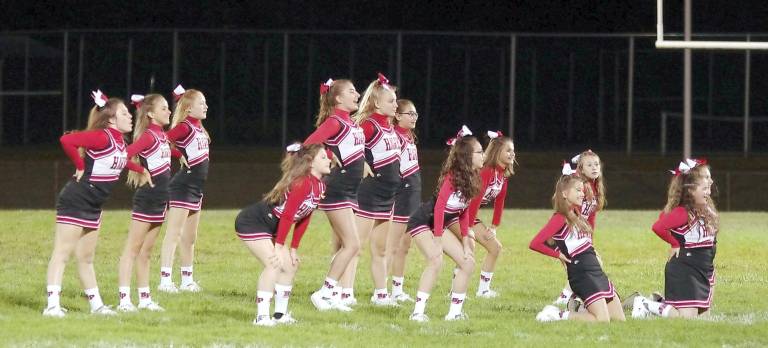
567,170
295,147
463,132
685,166
178,92
136,100
99,98
494,135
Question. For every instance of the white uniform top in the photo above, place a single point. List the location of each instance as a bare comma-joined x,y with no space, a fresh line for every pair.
384,145
588,207
157,156
307,205
350,141
108,163
195,145
575,242
494,187
696,234
409,156
456,203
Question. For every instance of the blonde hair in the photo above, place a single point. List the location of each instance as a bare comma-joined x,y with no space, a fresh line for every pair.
142,123
372,96
402,104
599,181
495,151
328,100
459,166
180,111
99,117
679,194
294,166
561,205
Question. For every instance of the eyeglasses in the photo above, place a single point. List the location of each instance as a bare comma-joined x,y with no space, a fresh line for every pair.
413,114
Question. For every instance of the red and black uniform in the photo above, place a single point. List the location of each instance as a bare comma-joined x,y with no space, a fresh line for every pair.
494,188
589,206
408,195
186,187
80,202
154,150
264,220
585,275
690,277
376,194
347,141
432,215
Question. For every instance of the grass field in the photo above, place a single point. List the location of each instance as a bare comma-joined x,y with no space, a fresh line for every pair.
222,314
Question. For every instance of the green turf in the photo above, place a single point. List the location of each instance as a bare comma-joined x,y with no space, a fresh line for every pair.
222,314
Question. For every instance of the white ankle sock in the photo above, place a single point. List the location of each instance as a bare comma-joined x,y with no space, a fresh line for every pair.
165,276
397,285
485,281
144,296
421,302
94,298
457,302
282,294
186,275
124,292
54,295
263,299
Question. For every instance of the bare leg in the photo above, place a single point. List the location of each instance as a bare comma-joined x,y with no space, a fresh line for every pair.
145,255
85,252
400,252
596,312
379,253
433,254
133,242
64,243
343,222
176,219
453,247
188,238
263,250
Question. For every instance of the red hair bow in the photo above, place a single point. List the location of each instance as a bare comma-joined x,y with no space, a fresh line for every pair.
326,86
384,81
137,100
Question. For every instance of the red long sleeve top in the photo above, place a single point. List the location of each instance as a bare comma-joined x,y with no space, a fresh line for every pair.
667,221
487,174
181,130
92,140
448,195
301,196
329,128
146,140
539,242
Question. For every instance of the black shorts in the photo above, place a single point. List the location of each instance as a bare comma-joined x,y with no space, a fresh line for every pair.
256,222
423,219
376,194
80,203
150,203
689,278
587,279
407,198
186,187
341,186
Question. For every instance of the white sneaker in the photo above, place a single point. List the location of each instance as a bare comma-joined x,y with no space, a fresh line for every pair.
548,313
264,320
190,287
103,310
339,306
349,301
126,308
403,297
639,310
286,319
385,301
453,317
320,302
419,317
55,312
561,300
168,288
487,294
151,306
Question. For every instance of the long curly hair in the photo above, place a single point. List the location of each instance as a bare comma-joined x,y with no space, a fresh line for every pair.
599,182
458,166
679,194
294,166
561,205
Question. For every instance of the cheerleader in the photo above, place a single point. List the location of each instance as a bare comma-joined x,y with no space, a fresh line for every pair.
376,194
264,226
573,237
185,188
149,203
690,224
407,198
497,168
590,167
99,155
459,180
346,140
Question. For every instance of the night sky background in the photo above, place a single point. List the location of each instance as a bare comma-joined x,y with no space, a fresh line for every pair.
475,93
